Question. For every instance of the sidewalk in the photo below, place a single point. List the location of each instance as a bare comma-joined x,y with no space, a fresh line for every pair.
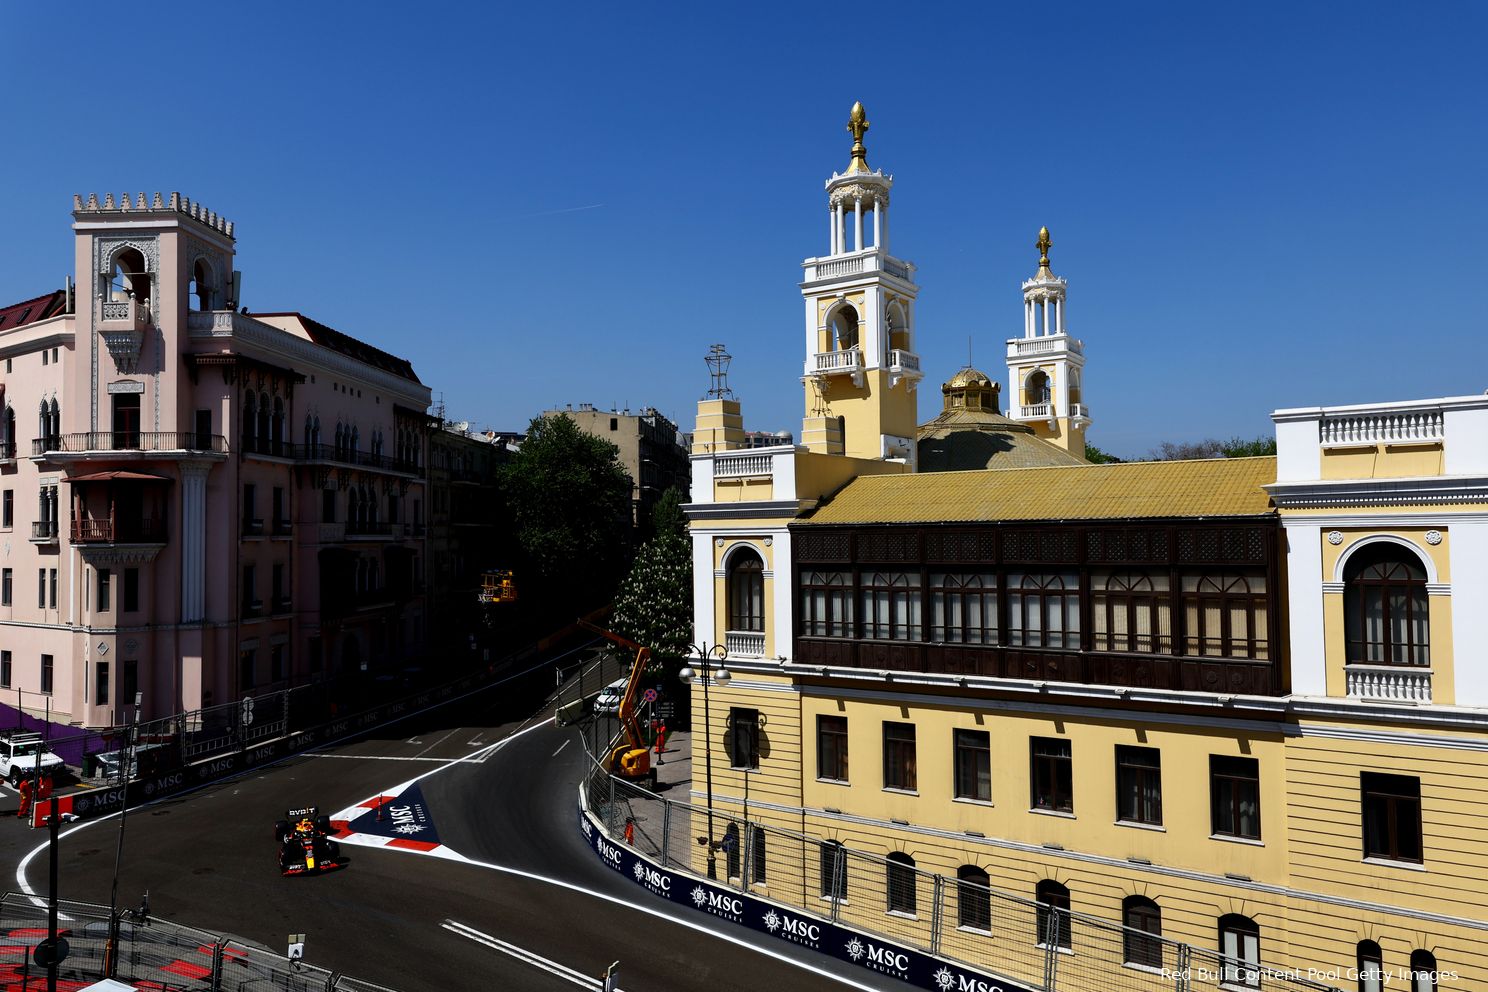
674,769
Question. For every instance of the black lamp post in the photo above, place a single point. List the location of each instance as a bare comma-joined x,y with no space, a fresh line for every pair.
708,658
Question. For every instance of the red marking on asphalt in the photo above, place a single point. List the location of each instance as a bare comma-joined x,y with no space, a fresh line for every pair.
341,828
412,845
227,952
186,969
34,932
375,802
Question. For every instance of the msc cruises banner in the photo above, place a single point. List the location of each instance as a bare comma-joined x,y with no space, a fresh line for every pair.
855,947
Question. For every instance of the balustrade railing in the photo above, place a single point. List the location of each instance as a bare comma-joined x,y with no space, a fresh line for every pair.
733,466
1037,410
104,531
839,361
1376,428
744,643
1392,682
1044,345
43,530
129,441
904,360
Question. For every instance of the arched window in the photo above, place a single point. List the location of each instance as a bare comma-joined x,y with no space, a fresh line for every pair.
1074,385
891,606
340,445
128,277
900,883
276,427
1371,966
372,506
1423,971
833,870
757,855
1036,389
1226,616
963,608
826,604
1240,948
56,419
203,284
1385,607
898,325
354,442
1053,913
973,898
844,329
1141,940
1129,611
1044,611
315,433
9,428
44,422
733,857
308,435
353,509
746,591
265,420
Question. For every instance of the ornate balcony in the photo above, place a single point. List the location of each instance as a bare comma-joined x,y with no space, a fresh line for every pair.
1037,411
44,531
1394,683
131,443
145,530
1044,345
829,363
745,643
903,365
864,262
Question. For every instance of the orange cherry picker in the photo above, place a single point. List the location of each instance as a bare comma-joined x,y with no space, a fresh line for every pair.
631,759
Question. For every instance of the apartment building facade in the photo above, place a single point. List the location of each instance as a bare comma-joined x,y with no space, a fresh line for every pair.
200,503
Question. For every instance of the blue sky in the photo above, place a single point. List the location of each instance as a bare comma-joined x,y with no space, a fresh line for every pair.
1257,205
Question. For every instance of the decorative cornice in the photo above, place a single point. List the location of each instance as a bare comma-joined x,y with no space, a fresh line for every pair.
1425,491
739,511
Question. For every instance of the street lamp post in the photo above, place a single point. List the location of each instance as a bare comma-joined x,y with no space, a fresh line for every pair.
705,657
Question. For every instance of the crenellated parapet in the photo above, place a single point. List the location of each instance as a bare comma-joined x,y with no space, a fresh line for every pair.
175,203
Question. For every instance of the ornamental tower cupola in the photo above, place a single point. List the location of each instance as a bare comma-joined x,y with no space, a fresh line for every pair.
861,365
1046,365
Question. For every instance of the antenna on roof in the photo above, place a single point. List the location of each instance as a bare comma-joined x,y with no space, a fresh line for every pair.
718,365
968,351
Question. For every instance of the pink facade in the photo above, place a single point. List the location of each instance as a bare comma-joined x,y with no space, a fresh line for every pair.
198,504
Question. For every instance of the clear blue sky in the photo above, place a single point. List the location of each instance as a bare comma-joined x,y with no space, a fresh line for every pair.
1256,205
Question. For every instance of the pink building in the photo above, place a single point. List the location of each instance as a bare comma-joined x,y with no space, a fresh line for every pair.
197,503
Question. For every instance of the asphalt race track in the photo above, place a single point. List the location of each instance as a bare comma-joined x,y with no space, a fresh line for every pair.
208,859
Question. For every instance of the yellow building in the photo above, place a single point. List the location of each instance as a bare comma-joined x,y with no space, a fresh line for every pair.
1206,715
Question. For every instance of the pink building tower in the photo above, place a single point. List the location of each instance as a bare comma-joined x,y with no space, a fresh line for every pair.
210,504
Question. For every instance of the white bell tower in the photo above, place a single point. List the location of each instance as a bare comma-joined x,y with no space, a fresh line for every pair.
861,365
1046,367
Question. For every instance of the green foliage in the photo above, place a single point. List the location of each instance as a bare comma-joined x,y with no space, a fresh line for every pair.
570,505
666,514
1235,447
1096,456
654,604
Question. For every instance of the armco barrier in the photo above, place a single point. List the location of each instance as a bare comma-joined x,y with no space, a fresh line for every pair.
789,924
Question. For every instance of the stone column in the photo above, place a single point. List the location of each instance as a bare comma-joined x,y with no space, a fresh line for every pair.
831,230
877,225
857,223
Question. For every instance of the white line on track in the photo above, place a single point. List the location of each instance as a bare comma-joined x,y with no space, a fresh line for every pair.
392,757
561,747
473,743
522,954
437,743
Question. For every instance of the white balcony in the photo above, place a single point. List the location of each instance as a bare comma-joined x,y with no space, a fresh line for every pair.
1402,427
741,465
859,263
1048,345
903,365
744,643
1079,410
1038,411
1389,682
826,363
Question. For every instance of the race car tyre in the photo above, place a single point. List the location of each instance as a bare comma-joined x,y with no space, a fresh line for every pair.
323,824
281,829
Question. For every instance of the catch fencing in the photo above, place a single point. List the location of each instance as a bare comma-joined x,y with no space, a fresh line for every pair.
152,953
1038,945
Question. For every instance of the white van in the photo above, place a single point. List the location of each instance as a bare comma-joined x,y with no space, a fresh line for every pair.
608,700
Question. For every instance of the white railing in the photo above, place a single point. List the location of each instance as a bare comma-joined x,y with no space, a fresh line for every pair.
904,360
1398,684
1079,410
1044,345
1377,428
734,466
868,260
1039,411
839,361
839,267
744,644
896,268
129,311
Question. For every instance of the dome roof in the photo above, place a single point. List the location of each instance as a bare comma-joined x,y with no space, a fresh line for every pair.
968,378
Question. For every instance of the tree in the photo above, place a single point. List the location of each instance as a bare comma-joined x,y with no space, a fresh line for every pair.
1096,456
666,514
1235,447
654,604
570,505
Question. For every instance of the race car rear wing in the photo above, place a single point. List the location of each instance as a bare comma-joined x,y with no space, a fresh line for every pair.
299,814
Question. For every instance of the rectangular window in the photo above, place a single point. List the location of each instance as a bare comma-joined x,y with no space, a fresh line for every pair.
891,606
100,683
46,673
899,756
7,509
277,584
203,430
1392,816
130,689
757,855
973,765
1130,611
250,590
52,588
744,737
280,518
251,523
131,590
1052,774
5,669
831,748
1235,796
1225,616
1044,611
105,591
833,870
6,580
826,604
963,609
41,588
247,661
1139,784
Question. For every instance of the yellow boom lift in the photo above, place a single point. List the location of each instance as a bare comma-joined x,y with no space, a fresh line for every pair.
632,758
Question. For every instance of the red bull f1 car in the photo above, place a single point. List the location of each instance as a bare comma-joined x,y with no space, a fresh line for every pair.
305,846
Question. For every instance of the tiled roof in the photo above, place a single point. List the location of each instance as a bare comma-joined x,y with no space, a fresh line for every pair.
963,440
1215,487
350,346
30,311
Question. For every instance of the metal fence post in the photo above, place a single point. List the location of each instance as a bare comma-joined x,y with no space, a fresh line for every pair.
839,880
1051,948
1181,977
610,813
746,852
217,965
666,831
937,911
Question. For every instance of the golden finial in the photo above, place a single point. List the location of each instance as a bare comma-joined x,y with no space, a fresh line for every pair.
857,123
1044,244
